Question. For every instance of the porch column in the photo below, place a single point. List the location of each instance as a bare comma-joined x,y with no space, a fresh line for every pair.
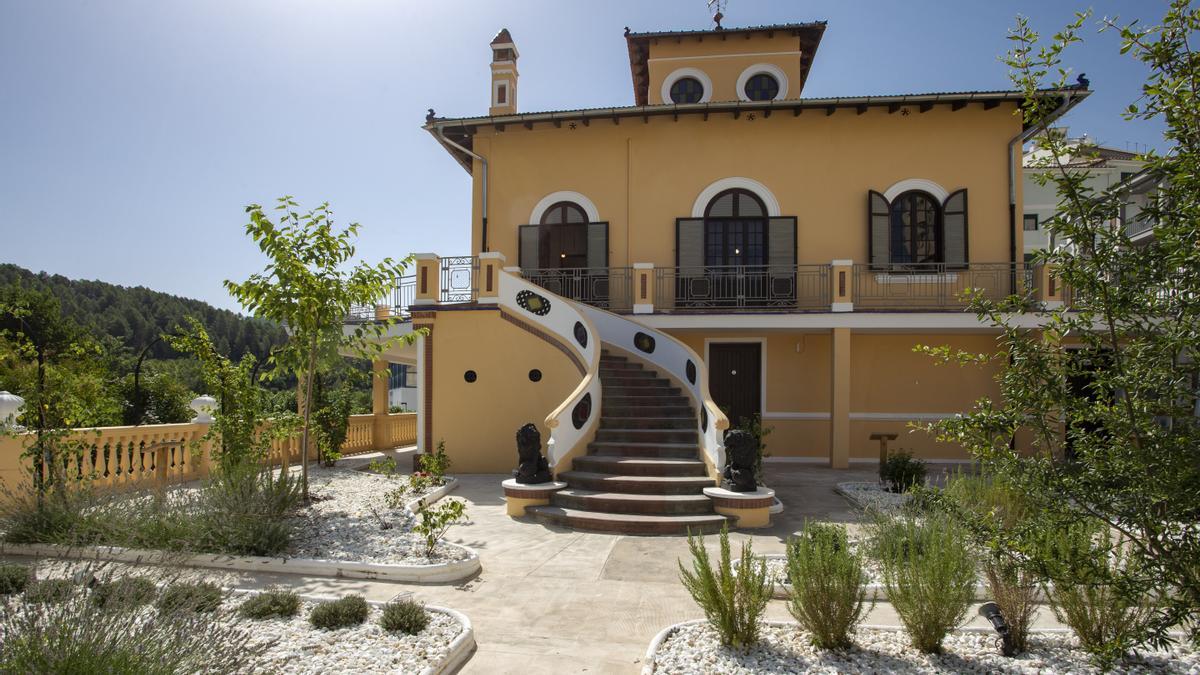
380,436
842,285
428,281
488,283
839,418
643,288
1050,290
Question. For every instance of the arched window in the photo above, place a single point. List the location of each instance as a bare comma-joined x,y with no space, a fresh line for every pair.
564,212
735,229
762,87
916,228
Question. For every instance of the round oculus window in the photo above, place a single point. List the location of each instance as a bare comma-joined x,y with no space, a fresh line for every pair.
687,90
762,87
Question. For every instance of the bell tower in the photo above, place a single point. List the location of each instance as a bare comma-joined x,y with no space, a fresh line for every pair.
504,75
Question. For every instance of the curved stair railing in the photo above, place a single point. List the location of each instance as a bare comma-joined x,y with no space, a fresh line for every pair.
674,359
574,422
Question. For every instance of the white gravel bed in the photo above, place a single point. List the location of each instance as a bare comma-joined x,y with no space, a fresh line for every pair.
696,648
346,521
872,496
367,648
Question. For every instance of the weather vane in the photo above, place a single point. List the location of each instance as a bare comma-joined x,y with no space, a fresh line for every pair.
717,7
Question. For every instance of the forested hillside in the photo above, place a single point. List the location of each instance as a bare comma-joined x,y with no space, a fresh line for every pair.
136,316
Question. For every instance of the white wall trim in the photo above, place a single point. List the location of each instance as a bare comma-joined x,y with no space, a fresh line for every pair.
900,187
902,416
794,52
553,198
716,187
679,74
768,68
817,416
762,351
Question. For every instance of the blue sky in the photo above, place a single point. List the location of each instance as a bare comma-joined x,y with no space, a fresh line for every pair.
133,133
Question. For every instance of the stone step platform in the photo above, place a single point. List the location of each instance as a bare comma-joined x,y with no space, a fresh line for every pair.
649,423
622,465
628,523
652,485
618,435
628,449
625,502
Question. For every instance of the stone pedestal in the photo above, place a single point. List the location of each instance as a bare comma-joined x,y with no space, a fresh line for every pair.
752,509
518,495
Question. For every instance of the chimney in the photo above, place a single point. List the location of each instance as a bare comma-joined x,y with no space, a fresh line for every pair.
504,75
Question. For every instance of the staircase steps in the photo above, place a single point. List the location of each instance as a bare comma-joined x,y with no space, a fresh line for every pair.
643,473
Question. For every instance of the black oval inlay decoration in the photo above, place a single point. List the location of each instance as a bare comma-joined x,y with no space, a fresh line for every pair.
532,302
643,342
582,411
691,372
580,334
535,375
470,376
703,419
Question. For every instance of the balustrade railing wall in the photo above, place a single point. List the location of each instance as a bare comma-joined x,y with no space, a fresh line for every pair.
742,288
155,455
606,287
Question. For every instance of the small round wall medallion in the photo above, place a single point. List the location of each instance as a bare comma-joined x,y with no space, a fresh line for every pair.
582,411
644,342
581,334
470,376
703,419
535,375
533,303
691,372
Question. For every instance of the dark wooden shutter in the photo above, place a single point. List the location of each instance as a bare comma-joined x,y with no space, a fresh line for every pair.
781,244
528,244
954,229
879,215
597,245
689,245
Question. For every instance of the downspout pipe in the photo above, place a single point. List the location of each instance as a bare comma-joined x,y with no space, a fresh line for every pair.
1020,138
484,225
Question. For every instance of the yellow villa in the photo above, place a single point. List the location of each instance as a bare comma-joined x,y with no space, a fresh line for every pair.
645,276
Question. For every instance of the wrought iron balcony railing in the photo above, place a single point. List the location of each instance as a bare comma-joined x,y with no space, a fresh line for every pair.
604,287
935,286
742,288
398,304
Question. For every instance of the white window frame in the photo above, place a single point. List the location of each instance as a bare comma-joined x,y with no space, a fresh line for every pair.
679,74
762,68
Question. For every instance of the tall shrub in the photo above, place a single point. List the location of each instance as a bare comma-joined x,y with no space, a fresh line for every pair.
929,575
733,598
829,584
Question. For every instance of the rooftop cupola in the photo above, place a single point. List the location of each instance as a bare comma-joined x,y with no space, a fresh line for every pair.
504,75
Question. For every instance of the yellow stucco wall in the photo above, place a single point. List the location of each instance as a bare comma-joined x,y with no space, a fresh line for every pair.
479,421
643,175
723,61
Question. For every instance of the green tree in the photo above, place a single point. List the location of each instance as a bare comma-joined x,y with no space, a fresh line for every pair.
1113,422
307,288
60,372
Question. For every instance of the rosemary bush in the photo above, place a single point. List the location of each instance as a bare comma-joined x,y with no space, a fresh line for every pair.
828,584
344,613
929,574
405,616
733,600
269,604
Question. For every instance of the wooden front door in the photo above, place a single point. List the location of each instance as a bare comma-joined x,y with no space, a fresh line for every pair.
735,379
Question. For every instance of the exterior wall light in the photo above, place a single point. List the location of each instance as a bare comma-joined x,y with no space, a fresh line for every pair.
991,612
203,406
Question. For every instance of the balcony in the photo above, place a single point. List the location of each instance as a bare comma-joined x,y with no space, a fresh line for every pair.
841,286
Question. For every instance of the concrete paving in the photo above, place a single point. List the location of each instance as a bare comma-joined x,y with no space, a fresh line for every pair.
553,600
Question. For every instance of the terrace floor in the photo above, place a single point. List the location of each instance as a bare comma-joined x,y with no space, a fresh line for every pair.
552,600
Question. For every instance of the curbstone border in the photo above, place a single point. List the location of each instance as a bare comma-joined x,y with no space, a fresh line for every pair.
456,570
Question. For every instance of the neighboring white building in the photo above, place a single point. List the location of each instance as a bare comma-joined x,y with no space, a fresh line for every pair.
402,387
1106,166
